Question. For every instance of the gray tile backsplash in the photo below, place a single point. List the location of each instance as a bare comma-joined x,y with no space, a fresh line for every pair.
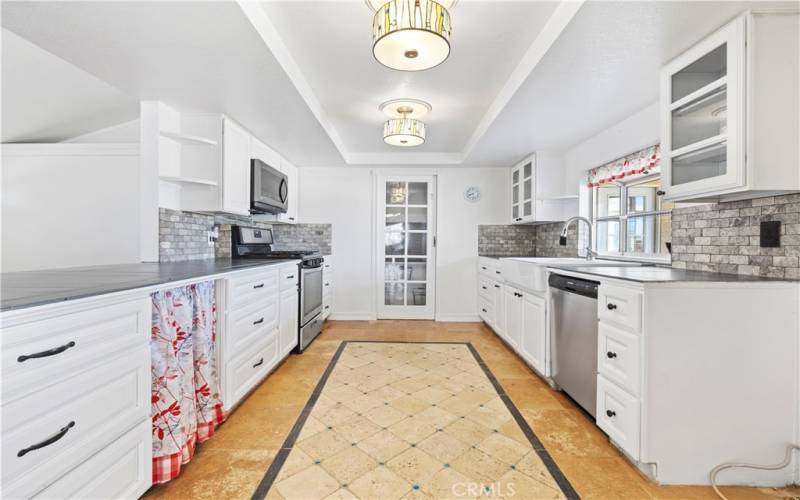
184,235
507,240
547,241
724,237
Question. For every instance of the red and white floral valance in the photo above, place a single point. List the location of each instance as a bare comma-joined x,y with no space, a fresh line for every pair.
644,162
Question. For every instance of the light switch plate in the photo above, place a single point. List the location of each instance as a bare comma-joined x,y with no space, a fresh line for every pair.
770,234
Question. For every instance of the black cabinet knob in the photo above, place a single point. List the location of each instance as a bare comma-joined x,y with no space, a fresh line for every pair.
611,306
611,355
611,414
483,287
484,310
497,286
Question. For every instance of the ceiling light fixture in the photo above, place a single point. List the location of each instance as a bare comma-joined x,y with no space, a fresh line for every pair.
411,35
402,130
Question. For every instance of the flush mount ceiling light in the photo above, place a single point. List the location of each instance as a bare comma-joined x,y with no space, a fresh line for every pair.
401,129
411,35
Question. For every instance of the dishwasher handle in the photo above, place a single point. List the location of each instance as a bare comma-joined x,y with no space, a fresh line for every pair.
586,288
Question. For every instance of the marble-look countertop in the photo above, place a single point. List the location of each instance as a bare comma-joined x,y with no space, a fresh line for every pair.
488,256
659,274
34,288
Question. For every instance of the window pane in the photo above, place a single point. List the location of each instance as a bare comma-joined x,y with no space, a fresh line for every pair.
417,193
515,177
527,186
418,218
393,270
643,197
417,243
608,236
393,294
527,170
606,201
416,294
515,211
395,193
527,209
395,218
648,235
417,270
515,194
395,242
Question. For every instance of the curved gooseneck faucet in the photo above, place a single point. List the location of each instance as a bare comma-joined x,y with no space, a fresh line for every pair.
562,240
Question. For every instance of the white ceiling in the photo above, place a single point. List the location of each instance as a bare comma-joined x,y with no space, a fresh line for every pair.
523,75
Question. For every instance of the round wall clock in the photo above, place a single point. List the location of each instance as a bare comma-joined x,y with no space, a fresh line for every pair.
472,194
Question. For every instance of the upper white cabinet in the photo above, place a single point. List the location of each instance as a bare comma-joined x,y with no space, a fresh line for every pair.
538,192
729,109
235,168
290,217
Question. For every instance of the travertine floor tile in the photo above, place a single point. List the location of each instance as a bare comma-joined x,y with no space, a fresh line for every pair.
414,465
380,483
312,482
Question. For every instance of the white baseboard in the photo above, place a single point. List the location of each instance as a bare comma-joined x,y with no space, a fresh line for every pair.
459,318
345,316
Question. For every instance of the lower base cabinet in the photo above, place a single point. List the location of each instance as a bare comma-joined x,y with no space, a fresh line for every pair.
526,326
288,321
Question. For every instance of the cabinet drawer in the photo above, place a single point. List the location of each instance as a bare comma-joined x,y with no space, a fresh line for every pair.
327,285
69,343
289,277
327,305
486,288
618,416
622,306
248,370
85,413
486,266
123,469
486,310
249,288
618,357
249,323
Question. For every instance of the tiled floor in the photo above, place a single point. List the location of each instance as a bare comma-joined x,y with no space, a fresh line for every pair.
234,462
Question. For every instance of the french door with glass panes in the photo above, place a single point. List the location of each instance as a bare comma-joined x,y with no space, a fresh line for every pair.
406,247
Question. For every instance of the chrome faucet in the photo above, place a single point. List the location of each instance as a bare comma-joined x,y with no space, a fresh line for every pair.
562,240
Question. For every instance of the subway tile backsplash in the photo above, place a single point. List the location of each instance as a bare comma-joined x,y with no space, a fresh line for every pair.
507,240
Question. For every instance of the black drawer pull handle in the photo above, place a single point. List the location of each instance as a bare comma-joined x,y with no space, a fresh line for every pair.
611,307
259,286
327,307
497,272
259,321
497,286
483,287
483,267
611,414
47,442
44,354
260,362
611,355
327,284
290,277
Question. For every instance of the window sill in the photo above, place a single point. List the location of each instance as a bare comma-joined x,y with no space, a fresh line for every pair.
667,261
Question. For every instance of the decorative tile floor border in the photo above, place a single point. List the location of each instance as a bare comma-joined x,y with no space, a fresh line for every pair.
275,468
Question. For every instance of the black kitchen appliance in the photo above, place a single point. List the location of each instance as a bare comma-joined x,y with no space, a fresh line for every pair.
269,189
256,243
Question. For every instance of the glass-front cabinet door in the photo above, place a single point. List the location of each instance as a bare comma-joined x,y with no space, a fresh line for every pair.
702,104
523,191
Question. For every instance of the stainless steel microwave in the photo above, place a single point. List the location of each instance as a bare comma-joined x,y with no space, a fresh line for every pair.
269,189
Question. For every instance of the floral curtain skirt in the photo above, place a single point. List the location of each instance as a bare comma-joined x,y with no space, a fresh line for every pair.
186,405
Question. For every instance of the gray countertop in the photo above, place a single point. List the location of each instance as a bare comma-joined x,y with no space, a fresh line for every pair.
653,274
502,256
34,288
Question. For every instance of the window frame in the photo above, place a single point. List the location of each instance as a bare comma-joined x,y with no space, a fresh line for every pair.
622,218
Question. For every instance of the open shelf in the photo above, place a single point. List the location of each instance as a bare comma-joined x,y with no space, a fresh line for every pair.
187,181
189,140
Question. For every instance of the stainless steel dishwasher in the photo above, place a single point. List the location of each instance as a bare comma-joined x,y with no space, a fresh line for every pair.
573,346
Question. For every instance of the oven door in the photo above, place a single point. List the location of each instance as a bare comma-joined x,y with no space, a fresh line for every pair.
269,190
310,294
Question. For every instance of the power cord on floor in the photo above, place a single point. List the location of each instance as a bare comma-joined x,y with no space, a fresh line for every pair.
721,467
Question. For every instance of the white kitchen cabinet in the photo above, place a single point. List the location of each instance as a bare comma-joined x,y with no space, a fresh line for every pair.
534,330
729,108
538,192
260,151
289,309
235,168
292,178
499,324
513,317
327,286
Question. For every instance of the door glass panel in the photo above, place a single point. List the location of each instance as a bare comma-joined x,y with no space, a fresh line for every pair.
702,164
515,177
416,294
393,294
395,218
649,234
395,243
606,201
418,218
700,119
700,73
417,243
417,193
528,170
396,193
417,270
394,269
527,209
515,194
608,236
515,211
527,185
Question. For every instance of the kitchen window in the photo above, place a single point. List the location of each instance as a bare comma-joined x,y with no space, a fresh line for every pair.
632,220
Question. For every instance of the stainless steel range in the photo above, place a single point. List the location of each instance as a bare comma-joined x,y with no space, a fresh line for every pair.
256,243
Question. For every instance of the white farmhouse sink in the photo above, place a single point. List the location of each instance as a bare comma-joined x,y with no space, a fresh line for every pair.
530,273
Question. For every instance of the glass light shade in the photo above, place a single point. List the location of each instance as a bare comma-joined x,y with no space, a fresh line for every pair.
411,35
404,132
374,5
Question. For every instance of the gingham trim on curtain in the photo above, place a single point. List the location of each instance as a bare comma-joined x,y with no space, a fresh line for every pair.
644,162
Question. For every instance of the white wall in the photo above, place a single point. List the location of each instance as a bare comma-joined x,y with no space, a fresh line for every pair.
66,205
343,197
